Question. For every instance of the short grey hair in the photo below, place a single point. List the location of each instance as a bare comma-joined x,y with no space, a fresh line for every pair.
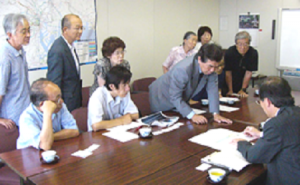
11,22
66,22
242,35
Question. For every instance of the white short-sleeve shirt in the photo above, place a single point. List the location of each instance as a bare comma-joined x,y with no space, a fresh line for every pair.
102,106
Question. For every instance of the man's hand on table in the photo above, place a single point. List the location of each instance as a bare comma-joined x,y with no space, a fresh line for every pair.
242,94
198,119
220,119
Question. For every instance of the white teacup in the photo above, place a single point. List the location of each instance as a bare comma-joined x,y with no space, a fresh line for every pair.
204,102
49,155
145,131
216,174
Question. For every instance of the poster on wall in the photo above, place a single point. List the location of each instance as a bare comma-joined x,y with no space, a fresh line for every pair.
45,26
250,23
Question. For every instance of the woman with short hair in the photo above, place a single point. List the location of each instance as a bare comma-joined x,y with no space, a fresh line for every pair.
113,50
204,36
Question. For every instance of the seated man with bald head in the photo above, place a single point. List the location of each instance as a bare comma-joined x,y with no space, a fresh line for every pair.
46,119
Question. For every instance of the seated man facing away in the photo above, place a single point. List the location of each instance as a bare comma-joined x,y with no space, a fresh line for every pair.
46,119
111,105
278,145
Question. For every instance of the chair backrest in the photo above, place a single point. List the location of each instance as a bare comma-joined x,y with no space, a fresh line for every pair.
141,100
85,96
8,141
142,84
80,115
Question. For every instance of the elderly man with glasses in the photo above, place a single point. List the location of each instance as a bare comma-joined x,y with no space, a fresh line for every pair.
240,60
46,119
14,84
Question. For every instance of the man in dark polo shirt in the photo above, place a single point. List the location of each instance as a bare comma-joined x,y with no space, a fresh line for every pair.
240,60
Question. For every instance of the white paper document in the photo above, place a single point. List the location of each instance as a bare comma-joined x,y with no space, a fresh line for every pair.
87,152
231,159
198,111
203,167
124,128
228,109
168,129
121,136
226,99
219,138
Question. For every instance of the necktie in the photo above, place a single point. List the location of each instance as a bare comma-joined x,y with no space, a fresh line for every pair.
200,76
77,62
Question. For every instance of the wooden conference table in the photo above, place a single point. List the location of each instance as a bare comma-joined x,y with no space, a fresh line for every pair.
168,158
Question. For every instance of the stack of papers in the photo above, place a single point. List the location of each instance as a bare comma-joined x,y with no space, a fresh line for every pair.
219,138
231,159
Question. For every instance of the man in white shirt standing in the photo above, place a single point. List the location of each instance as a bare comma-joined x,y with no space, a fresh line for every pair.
111,105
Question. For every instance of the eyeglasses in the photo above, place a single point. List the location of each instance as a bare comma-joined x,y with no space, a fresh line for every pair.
242,44
24,31
118,53
257,102
58,101
211,66
79,28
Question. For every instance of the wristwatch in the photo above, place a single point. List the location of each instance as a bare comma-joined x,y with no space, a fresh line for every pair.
245,90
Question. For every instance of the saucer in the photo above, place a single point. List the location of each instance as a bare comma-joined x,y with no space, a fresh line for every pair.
223,181
56,159
147,137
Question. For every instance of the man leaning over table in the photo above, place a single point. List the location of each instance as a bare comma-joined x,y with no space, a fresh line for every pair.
111,105
278,145
175,88
240,60
14,84
46,119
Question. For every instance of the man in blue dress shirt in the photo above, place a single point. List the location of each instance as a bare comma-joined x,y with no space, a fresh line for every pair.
46,119
14,85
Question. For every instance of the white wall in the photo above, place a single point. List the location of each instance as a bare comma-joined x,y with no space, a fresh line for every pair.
268,10
150,28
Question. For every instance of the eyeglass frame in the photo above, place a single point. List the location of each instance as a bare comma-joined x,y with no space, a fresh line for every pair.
257,102
242,45
118,53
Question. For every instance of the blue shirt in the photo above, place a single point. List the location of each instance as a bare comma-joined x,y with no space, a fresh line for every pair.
31,123
14,84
